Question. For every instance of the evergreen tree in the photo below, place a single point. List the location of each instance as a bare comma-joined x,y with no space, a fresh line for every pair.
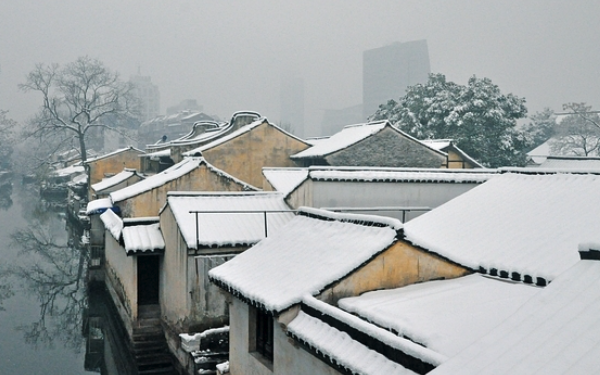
481,120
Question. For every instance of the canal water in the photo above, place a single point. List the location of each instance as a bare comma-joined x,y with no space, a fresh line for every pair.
50,323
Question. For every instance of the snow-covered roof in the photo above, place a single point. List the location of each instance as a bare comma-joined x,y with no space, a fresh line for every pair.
285,179
445,316
438,144
204,137
348,136
182,168
64,172
342,349
555,332
91,160
571,163
157,154
114,180
444,144
519,226
313,250
143,238
244,129
112,223
232,229
379,174
98,205
342,328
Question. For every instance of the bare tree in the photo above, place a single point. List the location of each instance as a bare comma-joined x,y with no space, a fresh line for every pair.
579,132
54,273
82,96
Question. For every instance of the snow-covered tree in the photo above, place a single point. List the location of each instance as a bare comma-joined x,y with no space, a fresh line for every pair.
77,99
578,133
480,119
541,127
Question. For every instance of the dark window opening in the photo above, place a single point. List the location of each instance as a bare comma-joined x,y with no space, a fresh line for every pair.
264,334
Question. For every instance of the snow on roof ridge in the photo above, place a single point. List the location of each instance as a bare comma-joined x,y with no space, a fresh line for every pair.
359,219
242,130
98,204
344,139
381,334
220,193
116,179
113,223
546,171
114,153
130,221
404,169
378,122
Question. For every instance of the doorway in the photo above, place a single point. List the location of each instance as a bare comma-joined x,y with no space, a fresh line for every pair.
147,279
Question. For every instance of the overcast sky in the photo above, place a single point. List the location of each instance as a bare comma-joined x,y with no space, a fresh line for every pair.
229,55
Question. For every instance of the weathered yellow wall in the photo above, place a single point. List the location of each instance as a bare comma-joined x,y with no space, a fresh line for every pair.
264,146
200,179
400,265
112,165
456,161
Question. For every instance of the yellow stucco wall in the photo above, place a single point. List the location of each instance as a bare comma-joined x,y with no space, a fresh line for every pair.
456,161
112,165
400,265
202,178
245,156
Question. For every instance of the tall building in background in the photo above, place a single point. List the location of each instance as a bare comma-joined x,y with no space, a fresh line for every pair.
292,104
389,70
148,95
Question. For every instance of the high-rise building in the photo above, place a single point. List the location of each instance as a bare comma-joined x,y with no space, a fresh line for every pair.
148,95
292,104
389,70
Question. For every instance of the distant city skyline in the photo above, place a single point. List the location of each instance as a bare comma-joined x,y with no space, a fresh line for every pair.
389,70
231,56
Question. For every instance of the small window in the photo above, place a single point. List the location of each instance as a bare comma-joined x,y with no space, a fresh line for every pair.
261,333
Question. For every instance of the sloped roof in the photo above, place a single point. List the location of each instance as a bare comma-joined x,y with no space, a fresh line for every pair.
525,224
143,238
387,174
445,316
115,180
285,179
114,153
355,344
313,250
112,223
555,332
349,135
340,348
98,205
446,144
64,172
571,163
243,130
220,229
178,170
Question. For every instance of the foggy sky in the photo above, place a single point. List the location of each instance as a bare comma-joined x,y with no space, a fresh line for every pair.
229,55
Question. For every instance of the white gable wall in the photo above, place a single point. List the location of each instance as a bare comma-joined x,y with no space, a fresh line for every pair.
321,194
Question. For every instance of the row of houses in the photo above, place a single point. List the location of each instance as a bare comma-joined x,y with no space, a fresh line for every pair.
367,252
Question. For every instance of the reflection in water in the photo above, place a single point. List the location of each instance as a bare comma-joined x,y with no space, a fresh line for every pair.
54,273
51,268
6,196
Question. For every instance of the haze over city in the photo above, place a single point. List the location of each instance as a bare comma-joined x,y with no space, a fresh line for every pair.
230,56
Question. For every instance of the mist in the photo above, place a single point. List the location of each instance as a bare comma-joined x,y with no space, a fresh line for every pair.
231,55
